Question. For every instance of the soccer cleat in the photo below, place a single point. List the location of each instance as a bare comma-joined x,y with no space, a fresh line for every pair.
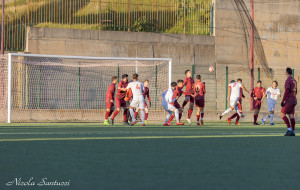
272,124
290,133
146,122
256,123
125,123
106,122
220,116
166,124
198,122
201,122
179,123
237,123
143,125
169,123
229,121
262,120
112,121
188,120
133,123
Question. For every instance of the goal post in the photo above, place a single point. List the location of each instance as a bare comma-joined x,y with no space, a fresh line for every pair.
58,88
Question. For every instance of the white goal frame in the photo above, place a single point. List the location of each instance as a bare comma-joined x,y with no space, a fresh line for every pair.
10,55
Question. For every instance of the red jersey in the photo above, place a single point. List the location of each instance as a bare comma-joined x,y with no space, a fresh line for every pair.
121,94
199,89
188,83
146,93
258,92
128,95
177,92
290,91
110,93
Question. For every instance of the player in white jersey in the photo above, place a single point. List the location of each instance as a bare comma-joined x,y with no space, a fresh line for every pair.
167,103
138,100
234,90
272,93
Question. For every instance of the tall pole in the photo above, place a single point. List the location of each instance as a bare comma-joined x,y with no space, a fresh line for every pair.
252,41
2,29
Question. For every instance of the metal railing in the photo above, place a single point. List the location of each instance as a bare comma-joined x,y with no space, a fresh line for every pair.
167,16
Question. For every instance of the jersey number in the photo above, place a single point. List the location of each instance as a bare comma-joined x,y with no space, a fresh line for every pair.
137,87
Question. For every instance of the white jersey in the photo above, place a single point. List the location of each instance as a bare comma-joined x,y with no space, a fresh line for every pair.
235,90
168,96
273,94
136,88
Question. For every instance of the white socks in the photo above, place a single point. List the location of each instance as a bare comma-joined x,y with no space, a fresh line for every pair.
132,114
226,112
168,117
177,115
269,116
272,116
143,116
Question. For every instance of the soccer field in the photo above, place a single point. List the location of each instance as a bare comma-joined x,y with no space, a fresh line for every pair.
91,156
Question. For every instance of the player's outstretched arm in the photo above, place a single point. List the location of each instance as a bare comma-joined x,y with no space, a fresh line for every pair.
243,87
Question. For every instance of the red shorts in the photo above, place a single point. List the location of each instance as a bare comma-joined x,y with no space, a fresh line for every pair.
120,103
109,105
289,108
176,105
199,102
256,104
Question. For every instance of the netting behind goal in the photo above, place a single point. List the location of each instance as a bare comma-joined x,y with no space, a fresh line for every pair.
72,89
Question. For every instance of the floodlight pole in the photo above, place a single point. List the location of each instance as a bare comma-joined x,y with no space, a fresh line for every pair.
2,29
252,48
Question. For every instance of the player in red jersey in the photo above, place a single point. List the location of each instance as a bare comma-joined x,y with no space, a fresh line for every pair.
120,102
257,95
177,93
199,92
239,105
289,102
145,94
109,99
188,83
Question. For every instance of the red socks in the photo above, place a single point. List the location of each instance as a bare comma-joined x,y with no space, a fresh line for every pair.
180,115
198,117
293,122
171,118
190,113
255,118
234,115
125,115
135,114
286,121
202,115
184,103
237,118
115,114
146,116
107,114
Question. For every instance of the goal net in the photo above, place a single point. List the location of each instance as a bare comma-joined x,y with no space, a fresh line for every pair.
52,88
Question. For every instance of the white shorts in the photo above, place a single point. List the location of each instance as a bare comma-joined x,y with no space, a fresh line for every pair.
271,106
168,107
138,102
233,102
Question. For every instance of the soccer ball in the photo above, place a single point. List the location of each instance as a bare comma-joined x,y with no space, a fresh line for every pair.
211,69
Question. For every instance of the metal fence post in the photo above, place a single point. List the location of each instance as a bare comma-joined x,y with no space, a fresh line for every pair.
226,88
